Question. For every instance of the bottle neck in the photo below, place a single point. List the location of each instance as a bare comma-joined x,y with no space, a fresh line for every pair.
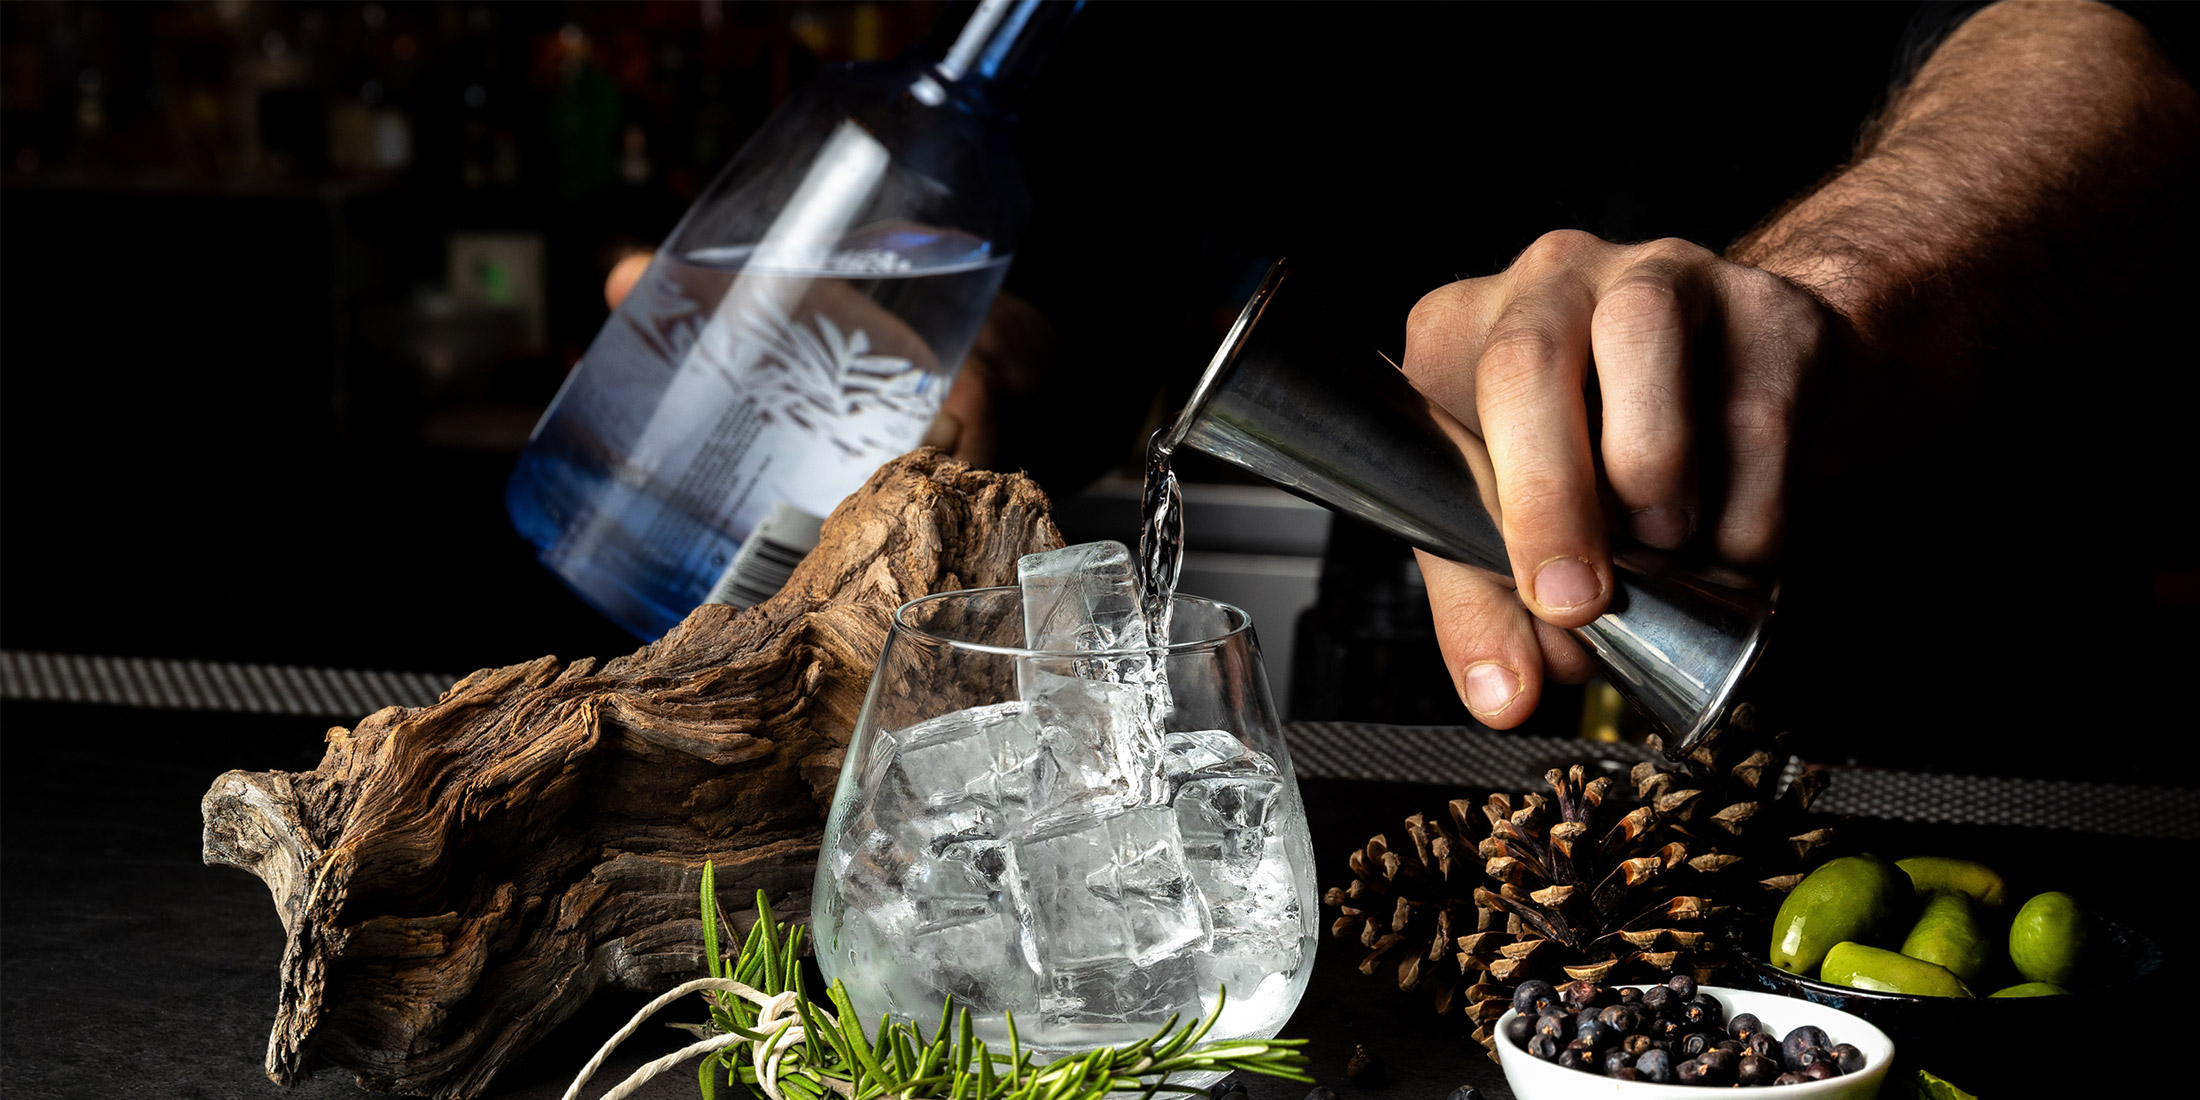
997,47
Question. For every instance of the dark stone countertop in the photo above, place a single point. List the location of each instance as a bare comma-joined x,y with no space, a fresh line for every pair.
131,969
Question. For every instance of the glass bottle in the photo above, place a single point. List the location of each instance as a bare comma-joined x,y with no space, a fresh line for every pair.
798,329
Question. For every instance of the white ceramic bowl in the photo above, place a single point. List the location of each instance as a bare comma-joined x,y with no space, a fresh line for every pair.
1532,1078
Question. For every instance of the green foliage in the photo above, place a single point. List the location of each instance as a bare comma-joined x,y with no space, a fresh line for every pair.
822,1050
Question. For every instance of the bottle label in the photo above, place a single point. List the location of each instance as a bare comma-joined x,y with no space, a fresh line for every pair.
768,557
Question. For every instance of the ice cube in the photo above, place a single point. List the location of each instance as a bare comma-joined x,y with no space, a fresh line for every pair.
907,972
901,821
1263,940
928,878
1188,751
984,754
870,860
1081,599
977,961
1224,822
1119,1001
1256,910
1098,744
1100,716
1187,755
958,879
1109,887
1237,852
965,941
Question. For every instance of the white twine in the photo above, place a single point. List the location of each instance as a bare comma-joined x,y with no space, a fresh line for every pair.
776,1009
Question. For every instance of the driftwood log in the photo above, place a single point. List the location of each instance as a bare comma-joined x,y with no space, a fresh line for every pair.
456,880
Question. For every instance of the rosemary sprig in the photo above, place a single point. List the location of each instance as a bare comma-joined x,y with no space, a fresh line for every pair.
766,1033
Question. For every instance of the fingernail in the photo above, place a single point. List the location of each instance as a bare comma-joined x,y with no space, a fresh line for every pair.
1664,528
1562,582
1491,687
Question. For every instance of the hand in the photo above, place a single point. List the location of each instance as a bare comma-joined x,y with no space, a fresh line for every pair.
1657,384
964,426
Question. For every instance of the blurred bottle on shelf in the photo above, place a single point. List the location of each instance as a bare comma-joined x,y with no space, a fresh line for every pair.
798,329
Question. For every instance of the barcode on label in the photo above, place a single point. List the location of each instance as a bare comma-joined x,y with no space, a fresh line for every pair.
767,558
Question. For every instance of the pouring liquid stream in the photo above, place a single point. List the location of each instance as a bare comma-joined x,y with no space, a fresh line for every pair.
1160,539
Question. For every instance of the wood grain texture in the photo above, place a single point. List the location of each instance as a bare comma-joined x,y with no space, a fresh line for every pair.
455,880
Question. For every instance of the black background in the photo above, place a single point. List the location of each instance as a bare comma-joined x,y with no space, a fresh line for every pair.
204,452
204,459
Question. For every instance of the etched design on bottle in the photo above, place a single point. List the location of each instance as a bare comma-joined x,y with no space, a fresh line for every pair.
827,381
724,389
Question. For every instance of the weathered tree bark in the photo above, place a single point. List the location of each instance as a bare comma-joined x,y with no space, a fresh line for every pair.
455,880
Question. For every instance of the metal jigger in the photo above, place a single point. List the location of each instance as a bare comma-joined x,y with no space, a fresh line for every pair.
1346,430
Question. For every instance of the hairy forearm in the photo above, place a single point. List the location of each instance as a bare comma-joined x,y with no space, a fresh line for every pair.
2026,175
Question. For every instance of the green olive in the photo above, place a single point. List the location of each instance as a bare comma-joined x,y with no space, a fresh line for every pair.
2047,940
1858,897
1949,932
1940,874
1859,966
2032,989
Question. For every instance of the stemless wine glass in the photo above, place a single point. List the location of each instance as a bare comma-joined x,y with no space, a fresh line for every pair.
1013,830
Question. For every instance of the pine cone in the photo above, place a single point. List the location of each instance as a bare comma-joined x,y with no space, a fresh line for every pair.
1407,906
1587,889
1725,799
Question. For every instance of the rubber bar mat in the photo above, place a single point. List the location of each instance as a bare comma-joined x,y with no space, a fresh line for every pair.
1442,756
1478,760
209,685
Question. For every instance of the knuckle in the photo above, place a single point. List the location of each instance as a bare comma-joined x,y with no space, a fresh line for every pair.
1443,305
1779,305
1759,431
1749,292
1559,248
1640,305
1805,323
1441,327
1673,252
1529,495
1476,616
1650,455
1755,285
1759,416
1439,311
1472,618
1786,329
1514,361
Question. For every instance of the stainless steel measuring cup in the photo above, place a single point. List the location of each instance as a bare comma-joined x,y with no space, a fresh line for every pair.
1288,402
